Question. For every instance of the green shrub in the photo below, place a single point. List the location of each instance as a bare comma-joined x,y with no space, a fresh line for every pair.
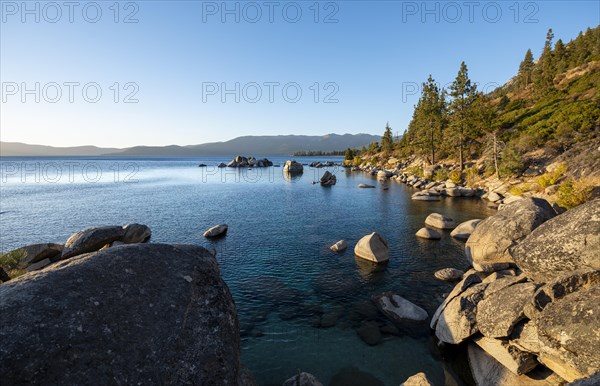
10,263
471,175
456,177
440,174
511,162
552,178
356,161
575,192
415,170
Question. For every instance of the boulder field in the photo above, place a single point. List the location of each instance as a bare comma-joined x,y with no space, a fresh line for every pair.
538,321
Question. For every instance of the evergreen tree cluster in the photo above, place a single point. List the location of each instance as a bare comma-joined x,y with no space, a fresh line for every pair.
551,103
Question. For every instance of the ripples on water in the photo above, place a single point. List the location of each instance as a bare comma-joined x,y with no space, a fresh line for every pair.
275,258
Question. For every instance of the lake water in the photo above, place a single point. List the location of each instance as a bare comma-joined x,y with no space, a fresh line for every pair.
275,257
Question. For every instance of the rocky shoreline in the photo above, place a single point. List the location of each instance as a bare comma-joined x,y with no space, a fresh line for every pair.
528,311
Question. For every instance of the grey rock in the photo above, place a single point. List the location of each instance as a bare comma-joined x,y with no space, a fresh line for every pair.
91,240
293,167
428,233
517,361
593,380
568,242
559,288
489,372
369,333
469,279
449,274
419,379
136,314
365,186
569,333
398,309
302,379
340,246
39,265
372,247
490,246
328,179
136,233
440,221
33,253
464,230
216,231
457,321
499,312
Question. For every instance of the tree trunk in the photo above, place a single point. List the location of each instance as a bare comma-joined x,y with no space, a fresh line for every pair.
496,156
460,153
432,146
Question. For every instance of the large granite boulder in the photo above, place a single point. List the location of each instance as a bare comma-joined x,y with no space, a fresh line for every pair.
136,233
340,246
91,240
568,242
513,358
457,320
133,314
559,288
499,312
398,309
372,247
569,334
490,246
293,167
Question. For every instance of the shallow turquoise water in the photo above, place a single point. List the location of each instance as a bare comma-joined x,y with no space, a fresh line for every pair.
275,257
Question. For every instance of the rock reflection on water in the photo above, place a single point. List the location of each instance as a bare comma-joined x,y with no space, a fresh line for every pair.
351,376
371,272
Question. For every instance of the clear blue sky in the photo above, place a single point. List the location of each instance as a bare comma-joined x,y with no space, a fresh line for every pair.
178,48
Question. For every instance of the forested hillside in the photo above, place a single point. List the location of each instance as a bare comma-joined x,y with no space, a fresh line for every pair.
551,105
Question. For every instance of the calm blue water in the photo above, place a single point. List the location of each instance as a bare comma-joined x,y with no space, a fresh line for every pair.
275,257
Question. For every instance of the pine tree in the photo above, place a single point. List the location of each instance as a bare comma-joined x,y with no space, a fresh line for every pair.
546,64
387,141
349,154
526,70
432,107
463,95
560,57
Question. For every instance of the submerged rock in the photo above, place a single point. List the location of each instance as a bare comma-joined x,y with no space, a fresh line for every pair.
399,309
490,246
365,186
568,242
137,314
372,247
369,333
302,379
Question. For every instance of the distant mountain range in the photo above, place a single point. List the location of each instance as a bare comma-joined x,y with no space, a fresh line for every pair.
248,145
